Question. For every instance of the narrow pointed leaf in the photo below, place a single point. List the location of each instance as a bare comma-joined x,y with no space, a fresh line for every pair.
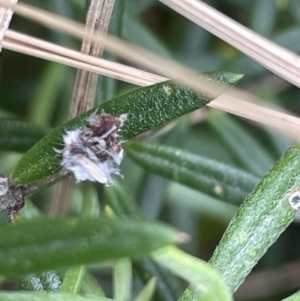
261,219
19,136
73,279
168,287
245,149
37,245
90,286
209,176
208,285
146,107
147,292
122,274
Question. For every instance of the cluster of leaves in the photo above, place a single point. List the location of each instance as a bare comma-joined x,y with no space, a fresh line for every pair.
213,168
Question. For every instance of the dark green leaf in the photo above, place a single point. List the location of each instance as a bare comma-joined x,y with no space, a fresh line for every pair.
168,287
261,219
37,245
147,293
212,177
73,279
146,108
245,149
19,136
206,281
90,286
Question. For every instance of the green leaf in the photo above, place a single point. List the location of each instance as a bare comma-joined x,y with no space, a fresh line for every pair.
37,245
45,98
260,220
168,287
294,297
263,17
90,286
30,211
207,284
18,135
146,108
147,292
122,280
121,203
209,176
43,296
73,279
245,149
137,33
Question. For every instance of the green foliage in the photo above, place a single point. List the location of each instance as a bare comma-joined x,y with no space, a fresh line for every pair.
209,176
165,101
71,241
218,162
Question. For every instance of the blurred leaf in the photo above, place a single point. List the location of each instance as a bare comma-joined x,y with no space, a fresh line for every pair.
43,104
263,17
90,204
199,203
294,297
121,203
49,280
136,32
43,296
73,279
289,38
90,286
37,245
30,211
214,178
168,287
146,108
19,136
123,280
294,8
206,282
245,149
261,219
147,292
137,7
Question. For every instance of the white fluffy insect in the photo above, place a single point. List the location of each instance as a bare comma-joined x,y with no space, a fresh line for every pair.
92,152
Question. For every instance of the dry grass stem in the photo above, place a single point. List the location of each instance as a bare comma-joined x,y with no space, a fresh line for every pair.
284,122
35,47
127,51
229,103
279,60
97,23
